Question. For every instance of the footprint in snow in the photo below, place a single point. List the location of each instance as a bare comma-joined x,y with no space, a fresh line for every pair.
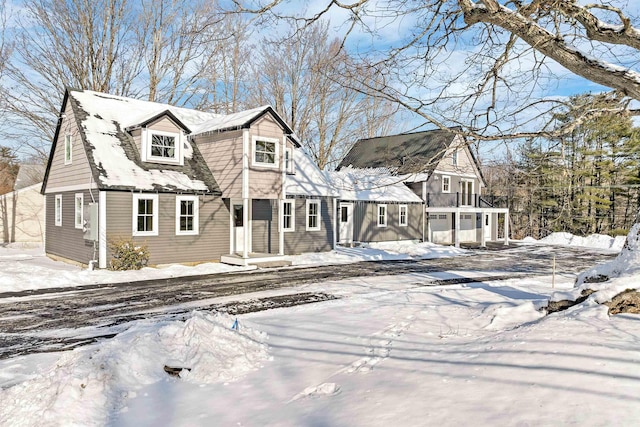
324,389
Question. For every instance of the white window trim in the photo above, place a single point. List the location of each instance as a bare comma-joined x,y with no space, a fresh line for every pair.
291,168
310,202
196,215
406,215
147,135
68,149
57,210
276,142
293,216
154,224
447,177
454,157
78,196
386,214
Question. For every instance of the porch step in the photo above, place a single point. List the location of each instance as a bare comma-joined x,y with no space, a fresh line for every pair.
258,259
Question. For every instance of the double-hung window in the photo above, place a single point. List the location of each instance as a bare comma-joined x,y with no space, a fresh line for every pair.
382,215
145,214
288,215
187,213
454,158
446,184
313,215
79,210
403,216
58,210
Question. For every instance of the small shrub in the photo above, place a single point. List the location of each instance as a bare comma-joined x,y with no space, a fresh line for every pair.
619,232
127,254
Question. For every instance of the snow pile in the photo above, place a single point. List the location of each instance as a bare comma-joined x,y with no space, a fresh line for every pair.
383,251
87,386
611,278
416,249
600,241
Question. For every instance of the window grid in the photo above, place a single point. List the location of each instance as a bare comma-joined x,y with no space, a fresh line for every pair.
402,219
145,215
265,152
187,215
288,220
382,215
446,184
163,146
313,215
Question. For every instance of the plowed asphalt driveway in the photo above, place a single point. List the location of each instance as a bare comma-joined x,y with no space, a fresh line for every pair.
62,318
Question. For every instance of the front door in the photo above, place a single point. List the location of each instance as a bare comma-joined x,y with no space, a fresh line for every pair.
346,223
487,226
238,228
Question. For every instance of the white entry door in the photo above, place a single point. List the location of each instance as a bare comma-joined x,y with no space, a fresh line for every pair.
487,226
346,223
238,228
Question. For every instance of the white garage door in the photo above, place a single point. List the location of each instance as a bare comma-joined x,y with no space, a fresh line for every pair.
467,227
441,228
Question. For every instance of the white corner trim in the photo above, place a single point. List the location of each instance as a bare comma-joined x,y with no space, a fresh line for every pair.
102,229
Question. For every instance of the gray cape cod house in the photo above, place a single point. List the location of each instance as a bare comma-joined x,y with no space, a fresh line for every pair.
193,186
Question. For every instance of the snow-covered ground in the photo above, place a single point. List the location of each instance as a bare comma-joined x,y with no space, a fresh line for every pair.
390,351
28,268
600,241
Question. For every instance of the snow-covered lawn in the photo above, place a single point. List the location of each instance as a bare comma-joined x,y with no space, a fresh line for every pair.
29,268
390,351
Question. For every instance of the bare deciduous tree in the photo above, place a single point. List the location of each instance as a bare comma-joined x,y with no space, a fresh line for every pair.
306,77
488,65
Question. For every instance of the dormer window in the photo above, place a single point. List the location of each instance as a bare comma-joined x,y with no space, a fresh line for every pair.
161,146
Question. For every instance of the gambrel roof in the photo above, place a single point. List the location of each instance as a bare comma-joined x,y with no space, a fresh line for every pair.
404,154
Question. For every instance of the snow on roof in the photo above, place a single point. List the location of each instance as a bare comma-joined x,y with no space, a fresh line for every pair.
371,184
103,127
308,179
229,121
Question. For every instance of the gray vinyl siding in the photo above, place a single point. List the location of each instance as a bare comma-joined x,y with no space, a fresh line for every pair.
211,242
78,171
301,240
67,241
223,154
264,226
265,182
439,199
365,222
